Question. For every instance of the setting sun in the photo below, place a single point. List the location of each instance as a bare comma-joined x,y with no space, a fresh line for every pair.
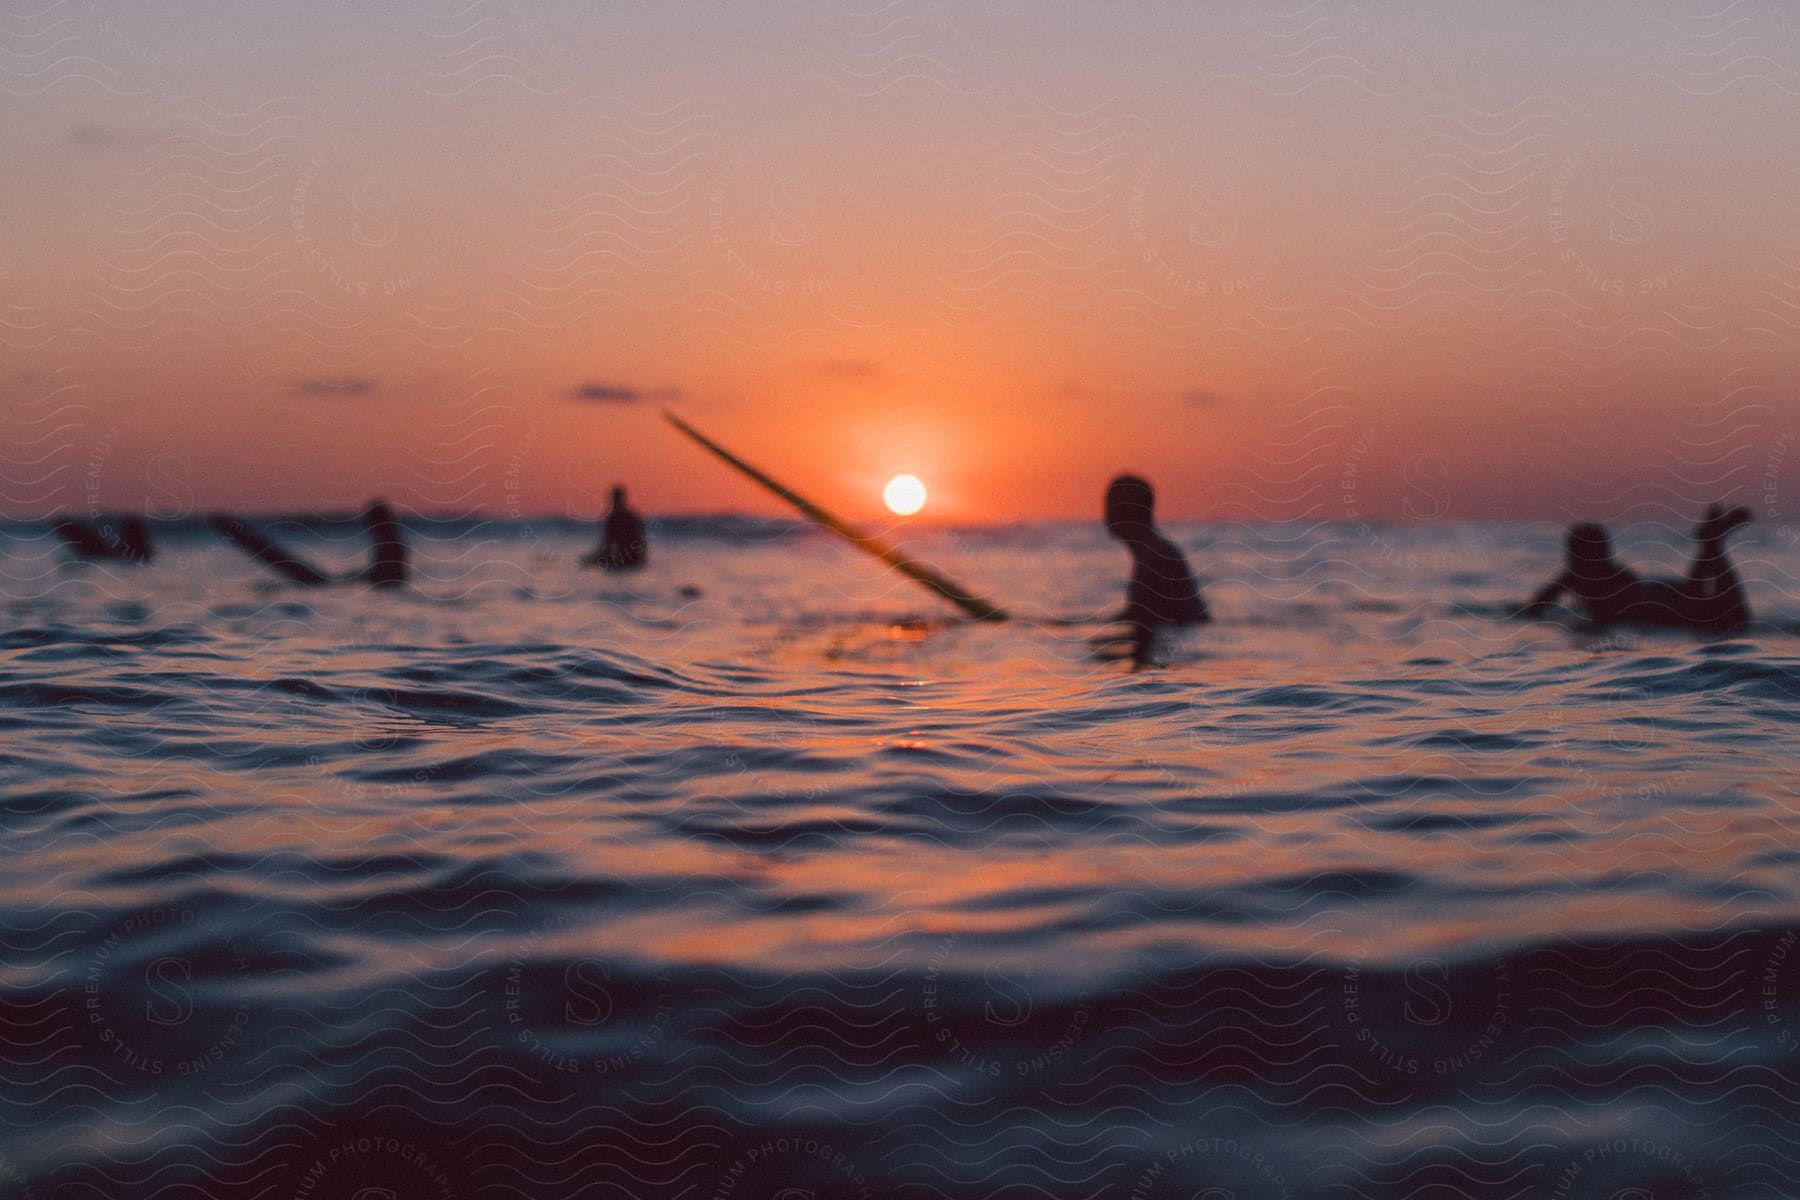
904,495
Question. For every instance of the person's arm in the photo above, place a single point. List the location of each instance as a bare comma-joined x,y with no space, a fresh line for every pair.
1547,595
1112,642
1143,637
1141,620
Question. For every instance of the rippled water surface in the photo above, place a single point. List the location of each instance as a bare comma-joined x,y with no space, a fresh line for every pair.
752,872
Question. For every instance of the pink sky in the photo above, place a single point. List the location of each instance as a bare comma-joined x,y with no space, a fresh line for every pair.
1324,260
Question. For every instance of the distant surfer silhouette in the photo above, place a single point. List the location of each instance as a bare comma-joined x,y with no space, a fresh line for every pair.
387,557
132,544
387,552
1162,591
623,545
1709,600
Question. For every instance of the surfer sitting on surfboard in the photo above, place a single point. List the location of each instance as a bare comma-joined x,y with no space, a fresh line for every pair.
132,544
622,542
1162,591
387,558
1709,600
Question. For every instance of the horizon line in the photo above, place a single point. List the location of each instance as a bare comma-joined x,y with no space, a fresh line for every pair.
348,515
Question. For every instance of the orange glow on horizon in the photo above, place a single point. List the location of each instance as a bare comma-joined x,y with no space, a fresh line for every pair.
1503,289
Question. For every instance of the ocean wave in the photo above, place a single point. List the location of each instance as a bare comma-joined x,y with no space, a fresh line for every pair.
764,868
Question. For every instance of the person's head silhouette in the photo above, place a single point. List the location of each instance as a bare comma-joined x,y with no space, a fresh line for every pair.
618,495
1130,504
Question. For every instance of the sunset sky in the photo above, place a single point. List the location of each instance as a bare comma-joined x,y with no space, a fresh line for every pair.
1326,260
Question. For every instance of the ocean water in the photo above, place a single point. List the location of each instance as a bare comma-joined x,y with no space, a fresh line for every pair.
752,875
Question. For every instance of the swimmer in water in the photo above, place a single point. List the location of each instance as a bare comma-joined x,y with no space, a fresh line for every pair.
132,544
623,545
1162,591
1709,600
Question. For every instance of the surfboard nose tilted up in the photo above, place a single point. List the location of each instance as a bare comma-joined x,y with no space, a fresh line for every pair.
955,593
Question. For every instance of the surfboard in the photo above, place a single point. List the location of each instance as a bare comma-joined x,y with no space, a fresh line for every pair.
268,553
914,570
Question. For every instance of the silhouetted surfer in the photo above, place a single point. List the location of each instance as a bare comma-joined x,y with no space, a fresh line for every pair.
622,541
1162,591
387,558
387,554
132,544
1710,599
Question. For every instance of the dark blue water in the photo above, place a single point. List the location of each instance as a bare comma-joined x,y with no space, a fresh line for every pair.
751,876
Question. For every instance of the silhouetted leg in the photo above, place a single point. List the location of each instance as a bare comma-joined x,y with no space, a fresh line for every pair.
1712,585
1703,572
1725,606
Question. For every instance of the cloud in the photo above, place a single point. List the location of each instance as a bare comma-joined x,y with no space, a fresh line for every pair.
341,387
1202,398
93,136
852,368
612,393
